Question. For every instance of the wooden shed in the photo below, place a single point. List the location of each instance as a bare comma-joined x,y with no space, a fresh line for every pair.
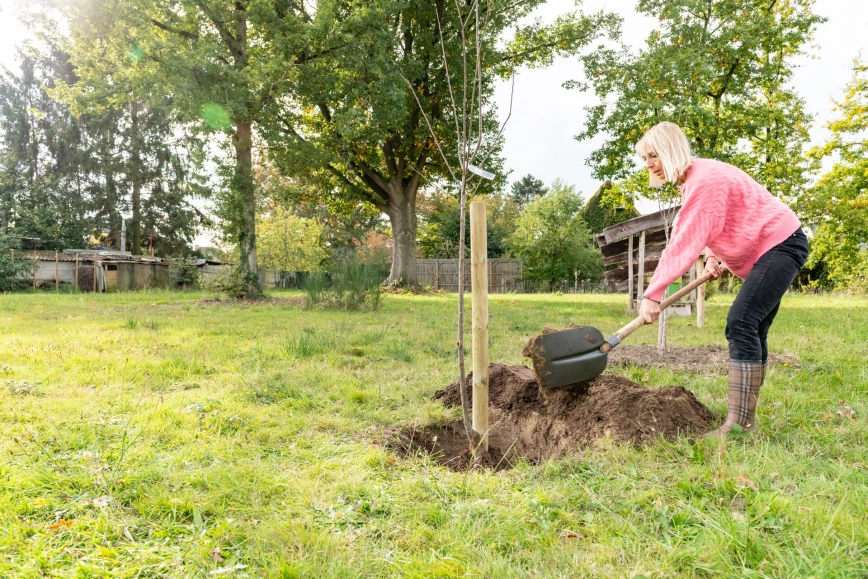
631,251
89,270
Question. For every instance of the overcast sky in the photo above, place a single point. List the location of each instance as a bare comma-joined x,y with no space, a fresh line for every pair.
546,117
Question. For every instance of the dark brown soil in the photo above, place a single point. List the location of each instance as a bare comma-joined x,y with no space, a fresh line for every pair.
706,360
539,424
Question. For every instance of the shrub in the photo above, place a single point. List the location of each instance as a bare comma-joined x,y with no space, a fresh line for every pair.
183,272
11,268
227,280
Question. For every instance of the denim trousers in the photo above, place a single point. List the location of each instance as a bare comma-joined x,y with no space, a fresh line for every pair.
758,300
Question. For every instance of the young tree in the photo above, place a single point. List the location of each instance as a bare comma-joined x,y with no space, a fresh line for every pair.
721,71
553,240
838,204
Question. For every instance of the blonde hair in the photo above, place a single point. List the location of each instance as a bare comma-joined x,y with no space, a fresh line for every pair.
667,141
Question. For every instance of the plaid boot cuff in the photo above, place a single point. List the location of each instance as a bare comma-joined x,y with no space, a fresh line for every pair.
745,379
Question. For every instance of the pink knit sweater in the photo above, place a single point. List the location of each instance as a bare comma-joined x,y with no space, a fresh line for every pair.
725,210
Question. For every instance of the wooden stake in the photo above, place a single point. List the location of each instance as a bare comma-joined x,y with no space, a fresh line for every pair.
661,328
700,295
630,274
56,271
479,287
640,291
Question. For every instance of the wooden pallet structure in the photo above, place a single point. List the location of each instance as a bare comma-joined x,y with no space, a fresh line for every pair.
631,251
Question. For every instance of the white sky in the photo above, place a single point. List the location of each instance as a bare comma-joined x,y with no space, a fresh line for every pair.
546,117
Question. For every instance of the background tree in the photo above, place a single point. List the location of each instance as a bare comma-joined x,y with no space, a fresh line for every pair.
553,240
48,175
605,208
838,204
288,242
527,189
215,63
439,225
721,71
362,125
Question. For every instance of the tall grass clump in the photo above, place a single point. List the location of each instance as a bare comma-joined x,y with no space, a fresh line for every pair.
349,284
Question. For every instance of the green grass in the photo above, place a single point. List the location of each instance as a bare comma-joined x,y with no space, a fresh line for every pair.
147,435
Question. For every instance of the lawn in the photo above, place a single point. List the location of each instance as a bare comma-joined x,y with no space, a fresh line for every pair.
152,435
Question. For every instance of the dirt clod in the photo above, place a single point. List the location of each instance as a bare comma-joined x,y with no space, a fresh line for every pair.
538,424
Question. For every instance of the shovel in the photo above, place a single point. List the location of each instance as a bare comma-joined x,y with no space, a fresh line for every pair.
580,353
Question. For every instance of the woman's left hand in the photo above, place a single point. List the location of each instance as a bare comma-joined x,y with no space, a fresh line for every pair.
712,266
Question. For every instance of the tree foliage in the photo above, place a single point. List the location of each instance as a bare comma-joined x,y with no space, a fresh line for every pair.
288,242
366,112
439,226
67,175
218,65
837,205
720,70
553,240
604,209
527,189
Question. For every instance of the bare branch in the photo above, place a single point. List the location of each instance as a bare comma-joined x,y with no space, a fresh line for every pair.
430,128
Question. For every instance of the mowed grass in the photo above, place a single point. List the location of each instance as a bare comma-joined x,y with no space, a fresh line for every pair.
148,435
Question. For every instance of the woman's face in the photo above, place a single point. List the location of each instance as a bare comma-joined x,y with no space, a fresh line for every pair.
655,165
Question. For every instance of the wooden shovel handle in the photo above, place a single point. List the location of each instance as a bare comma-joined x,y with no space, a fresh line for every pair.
640,320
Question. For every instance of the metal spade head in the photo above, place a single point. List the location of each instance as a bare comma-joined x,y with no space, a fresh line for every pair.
567,356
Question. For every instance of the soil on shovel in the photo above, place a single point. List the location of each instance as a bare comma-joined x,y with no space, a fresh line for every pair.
527,421
706,360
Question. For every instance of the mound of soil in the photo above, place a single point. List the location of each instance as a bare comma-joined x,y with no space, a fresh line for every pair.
537,424
706,360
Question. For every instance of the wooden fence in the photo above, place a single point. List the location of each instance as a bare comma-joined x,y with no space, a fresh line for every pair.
504,275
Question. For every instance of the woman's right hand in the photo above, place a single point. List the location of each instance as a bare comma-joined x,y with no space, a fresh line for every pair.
712,266
650,310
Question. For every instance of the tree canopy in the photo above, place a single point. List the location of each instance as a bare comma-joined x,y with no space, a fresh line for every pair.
838,204
553,240
720,70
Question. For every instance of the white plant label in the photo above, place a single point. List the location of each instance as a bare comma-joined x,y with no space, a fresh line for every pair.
481,172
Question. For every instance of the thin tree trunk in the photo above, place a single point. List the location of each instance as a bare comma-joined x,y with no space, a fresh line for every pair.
462,384
135,157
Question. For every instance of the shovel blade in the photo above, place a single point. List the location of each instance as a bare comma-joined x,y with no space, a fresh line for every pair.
569,356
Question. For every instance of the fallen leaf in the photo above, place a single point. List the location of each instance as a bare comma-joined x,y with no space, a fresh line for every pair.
60,525
567,534
745,481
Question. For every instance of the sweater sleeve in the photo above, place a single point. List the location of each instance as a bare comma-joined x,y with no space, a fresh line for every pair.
700,220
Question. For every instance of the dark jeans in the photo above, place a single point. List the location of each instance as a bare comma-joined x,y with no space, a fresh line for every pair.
758,300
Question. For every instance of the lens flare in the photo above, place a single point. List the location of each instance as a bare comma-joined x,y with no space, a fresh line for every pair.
215,116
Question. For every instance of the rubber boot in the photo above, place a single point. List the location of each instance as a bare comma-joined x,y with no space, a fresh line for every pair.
745,380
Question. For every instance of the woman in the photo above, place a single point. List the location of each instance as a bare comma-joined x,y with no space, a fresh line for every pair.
740,225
